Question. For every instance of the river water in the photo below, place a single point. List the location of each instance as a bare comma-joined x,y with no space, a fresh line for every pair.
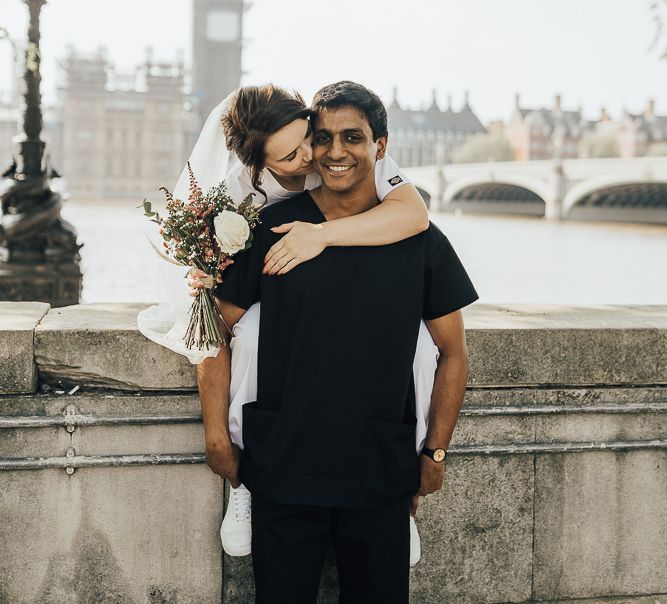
509,259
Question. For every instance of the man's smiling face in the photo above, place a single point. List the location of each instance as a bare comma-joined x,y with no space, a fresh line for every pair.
344,152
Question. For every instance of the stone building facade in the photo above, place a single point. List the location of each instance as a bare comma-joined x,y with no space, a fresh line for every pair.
428,137
546,133
124,135
636,133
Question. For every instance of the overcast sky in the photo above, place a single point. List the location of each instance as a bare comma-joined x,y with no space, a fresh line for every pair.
594,52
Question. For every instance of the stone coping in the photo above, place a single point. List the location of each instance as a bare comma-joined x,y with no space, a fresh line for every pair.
18,371
510,345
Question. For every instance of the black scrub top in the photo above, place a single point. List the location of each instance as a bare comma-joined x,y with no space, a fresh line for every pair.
334,420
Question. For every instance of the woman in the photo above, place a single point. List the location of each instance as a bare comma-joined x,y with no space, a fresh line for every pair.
268,133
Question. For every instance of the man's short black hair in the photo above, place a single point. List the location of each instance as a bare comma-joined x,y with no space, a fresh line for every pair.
346,93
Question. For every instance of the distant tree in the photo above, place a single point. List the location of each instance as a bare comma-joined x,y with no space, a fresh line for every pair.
657,150
598,145
659,14
483,147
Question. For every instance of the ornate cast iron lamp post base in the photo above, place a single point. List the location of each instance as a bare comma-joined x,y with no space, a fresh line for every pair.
39,254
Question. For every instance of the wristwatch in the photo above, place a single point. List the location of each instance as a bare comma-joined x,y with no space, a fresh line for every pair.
437,455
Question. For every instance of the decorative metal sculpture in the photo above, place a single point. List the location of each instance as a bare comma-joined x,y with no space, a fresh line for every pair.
39,254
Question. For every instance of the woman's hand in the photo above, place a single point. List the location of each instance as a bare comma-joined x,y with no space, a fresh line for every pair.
197,279
302,242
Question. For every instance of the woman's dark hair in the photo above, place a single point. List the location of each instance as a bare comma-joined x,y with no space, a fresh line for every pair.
257,112
346,93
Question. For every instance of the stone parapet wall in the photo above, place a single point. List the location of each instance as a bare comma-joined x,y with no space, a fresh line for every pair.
555,489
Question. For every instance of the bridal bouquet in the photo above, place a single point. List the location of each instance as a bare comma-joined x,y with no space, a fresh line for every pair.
204,232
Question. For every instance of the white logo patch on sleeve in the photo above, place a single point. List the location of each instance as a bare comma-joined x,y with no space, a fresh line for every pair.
395,180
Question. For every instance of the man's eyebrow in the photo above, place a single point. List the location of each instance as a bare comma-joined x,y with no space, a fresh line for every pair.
344,131
308,130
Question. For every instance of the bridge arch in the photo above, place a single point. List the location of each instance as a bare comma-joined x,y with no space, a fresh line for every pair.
616,192
531,185
523,196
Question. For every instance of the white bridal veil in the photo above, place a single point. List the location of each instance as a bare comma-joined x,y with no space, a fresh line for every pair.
166,322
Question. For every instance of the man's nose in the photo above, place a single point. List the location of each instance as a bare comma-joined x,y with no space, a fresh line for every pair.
336,149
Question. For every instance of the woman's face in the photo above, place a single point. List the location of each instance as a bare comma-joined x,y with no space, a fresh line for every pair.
289,151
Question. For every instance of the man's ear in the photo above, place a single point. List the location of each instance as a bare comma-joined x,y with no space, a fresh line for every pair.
381,147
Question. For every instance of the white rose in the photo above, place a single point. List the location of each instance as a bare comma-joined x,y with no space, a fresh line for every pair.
231,231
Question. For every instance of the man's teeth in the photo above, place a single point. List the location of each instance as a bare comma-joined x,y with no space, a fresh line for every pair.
339,168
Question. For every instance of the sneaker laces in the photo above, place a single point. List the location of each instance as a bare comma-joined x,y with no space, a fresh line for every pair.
241,503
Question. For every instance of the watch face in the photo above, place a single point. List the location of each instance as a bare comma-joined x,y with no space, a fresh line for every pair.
438,455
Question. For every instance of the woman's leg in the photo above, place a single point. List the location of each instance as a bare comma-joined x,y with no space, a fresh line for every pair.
236,531
423,368
243,386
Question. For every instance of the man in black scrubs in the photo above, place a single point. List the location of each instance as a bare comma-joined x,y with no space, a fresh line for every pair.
329,445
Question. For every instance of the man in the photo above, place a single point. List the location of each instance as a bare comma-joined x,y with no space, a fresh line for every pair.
329,445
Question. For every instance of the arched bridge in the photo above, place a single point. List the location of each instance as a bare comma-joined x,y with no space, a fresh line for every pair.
602,189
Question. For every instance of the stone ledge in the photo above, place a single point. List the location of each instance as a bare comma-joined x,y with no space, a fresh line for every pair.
514,345
99,345
18,372
538,345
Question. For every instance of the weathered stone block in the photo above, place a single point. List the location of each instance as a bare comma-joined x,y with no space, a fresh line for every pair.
18,443
476,533
654,599
600,524
18,372
527,344
602,427
127,535
150,436
100,345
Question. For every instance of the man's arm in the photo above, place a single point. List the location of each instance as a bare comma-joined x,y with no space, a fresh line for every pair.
451,377
213,377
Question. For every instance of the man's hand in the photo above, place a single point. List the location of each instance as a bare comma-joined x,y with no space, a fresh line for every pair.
302,242
223,459
432,476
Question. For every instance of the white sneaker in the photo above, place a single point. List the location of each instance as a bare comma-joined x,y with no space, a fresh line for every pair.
235,532
415,543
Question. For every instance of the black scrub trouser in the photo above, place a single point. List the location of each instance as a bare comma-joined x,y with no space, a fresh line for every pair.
371,546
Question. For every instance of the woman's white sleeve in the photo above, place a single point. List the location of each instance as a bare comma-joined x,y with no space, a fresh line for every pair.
388,176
